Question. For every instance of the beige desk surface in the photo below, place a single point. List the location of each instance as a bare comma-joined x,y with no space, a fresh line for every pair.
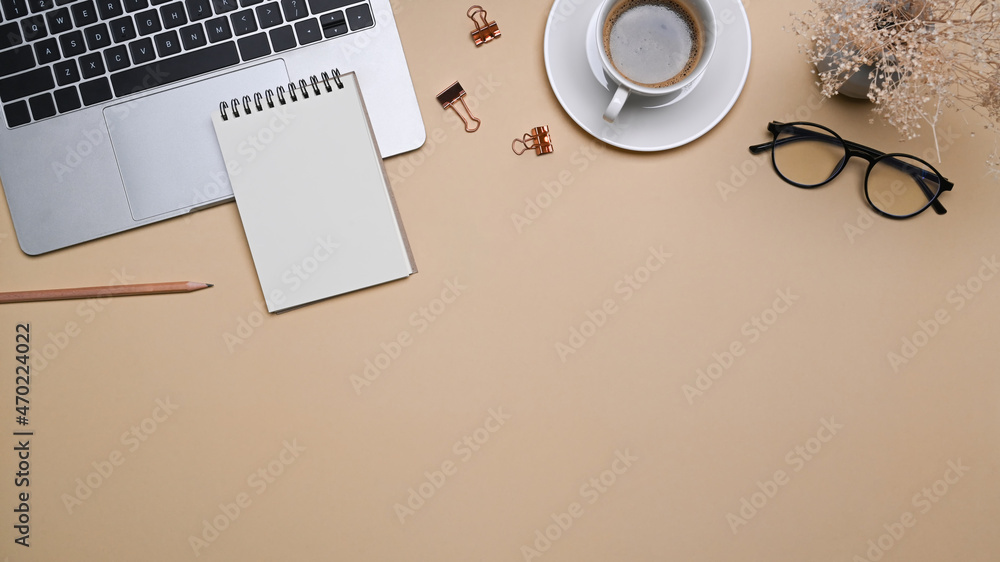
213,422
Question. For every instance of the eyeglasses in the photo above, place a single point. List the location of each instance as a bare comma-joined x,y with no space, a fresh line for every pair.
897,186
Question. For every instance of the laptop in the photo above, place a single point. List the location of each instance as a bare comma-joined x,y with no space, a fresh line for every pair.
107,104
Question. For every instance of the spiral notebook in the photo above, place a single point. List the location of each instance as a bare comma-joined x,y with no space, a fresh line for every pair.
311,190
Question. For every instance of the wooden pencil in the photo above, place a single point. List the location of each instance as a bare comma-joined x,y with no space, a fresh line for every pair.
101,292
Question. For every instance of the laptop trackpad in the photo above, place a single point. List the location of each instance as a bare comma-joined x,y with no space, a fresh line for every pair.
165,143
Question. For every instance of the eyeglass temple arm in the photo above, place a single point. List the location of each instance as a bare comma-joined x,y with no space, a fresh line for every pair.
774,125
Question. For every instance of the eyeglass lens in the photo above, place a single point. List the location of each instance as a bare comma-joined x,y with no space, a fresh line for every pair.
901,186
806,155
896,185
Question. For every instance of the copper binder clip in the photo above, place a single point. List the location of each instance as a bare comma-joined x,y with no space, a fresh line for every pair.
450,97
538,140
485,31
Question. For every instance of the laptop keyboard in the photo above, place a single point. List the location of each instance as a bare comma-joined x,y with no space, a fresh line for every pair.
58,56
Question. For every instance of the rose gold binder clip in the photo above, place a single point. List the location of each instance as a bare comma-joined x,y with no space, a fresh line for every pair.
538,140
452,95
485,31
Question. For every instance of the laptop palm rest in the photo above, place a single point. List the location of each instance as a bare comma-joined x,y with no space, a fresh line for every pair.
179,166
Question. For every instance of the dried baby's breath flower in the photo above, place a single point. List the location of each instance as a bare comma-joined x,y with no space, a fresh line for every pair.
922,56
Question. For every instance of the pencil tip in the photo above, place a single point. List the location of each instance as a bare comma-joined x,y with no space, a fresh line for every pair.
207,285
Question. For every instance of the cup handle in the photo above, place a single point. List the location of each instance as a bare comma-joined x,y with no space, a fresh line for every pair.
617,102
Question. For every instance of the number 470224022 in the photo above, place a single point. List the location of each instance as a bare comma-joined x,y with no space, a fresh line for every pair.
22,372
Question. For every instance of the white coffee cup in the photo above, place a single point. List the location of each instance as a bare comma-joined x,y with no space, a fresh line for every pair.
638,23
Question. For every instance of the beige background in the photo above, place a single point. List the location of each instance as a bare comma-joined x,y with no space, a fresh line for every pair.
288,379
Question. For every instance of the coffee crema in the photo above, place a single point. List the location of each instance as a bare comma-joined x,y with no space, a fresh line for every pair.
654,43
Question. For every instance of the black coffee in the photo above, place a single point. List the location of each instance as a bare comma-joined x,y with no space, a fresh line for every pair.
653,43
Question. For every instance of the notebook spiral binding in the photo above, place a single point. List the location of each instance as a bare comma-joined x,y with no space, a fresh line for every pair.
268,97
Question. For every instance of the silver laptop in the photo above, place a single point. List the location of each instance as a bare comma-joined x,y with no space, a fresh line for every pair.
107,103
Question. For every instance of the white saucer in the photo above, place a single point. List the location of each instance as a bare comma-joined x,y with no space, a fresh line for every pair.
645,124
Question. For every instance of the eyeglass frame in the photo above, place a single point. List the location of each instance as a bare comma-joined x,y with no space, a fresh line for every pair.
852,149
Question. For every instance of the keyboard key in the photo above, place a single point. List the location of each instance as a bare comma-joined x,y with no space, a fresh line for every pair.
34,28
135,5
308,31
27,84
148,22
191,63
294,9
333,24
117,58
360,17
17,114
173,15
269,15
45,51
63,2
10,35
243,22
67,99
223,6
122,29
142,50
198,9
42,106
16,60
254,46
110,9
320,6
91,64
66,72
218,30
97,36
84,13
95,91
40,5
72,44
193,36
13,9
167,44
157,2
59,20
282,38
